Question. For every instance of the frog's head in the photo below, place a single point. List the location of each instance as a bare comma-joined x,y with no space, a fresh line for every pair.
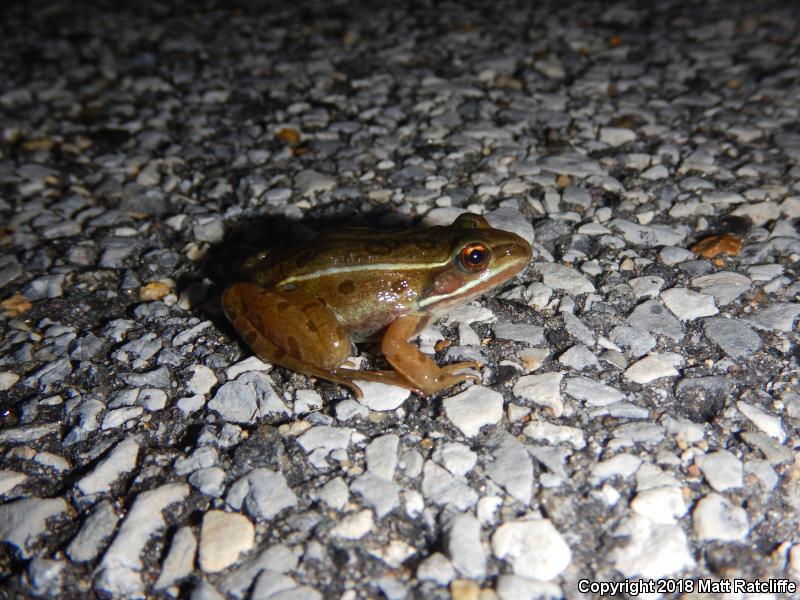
481,258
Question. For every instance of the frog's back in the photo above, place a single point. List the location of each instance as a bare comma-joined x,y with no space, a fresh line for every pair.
366,277
352,250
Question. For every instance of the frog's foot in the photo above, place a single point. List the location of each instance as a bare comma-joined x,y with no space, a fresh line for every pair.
443,378
433,380
450,375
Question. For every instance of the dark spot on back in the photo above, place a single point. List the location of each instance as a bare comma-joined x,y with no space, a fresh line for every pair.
378,248
294,347
311,326
256,322
283,306
347,287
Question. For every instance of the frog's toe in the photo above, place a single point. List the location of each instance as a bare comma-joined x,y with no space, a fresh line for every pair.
460,369
449,379
356,390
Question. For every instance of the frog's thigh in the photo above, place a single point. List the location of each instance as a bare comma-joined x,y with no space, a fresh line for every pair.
287,327
412,364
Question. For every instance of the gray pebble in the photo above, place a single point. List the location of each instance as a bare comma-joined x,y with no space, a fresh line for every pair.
120,461
277,559
46,576
653,317
511,467
10,269
442,488
776,317
735,337
579,357
157,378
272,585
637,341
381,456
520,332
179,562
575,327
561,277
463,546
202,458
725,286
437,568
47,286
721,469
120,569
350,409
24,522
379,494
592,392
262,492
672,255
209,481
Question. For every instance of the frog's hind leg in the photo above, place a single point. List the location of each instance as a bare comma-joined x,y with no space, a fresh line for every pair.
293,329
289,328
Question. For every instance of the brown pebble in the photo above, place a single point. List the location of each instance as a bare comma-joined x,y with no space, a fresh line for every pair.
442,345
507,82
464,589
715,245
39,144
289,136
693,470
15,305
155,290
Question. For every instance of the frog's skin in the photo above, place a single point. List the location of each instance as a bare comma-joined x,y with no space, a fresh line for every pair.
302,306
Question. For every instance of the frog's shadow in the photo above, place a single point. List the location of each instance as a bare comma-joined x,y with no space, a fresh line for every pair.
253,234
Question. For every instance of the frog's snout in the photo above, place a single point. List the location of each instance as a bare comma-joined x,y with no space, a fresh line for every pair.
518,248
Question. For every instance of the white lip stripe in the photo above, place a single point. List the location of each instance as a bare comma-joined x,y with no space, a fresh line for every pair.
358,268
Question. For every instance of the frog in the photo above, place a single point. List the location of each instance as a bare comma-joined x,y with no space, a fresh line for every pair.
303,306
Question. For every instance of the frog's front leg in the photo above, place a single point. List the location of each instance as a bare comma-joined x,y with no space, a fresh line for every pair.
289,328
417,369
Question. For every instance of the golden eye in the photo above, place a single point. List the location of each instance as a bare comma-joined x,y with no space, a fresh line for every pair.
474,257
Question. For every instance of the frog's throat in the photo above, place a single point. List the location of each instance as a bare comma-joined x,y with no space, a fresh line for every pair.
478,286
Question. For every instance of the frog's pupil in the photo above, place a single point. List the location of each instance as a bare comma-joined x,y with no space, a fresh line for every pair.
474,257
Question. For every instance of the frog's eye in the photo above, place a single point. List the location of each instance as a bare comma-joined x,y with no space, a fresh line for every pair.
474,257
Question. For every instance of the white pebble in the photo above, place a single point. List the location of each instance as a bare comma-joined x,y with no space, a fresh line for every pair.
716,518
543,389
769,424
535,548
722,470
654,367
223,538
474,408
